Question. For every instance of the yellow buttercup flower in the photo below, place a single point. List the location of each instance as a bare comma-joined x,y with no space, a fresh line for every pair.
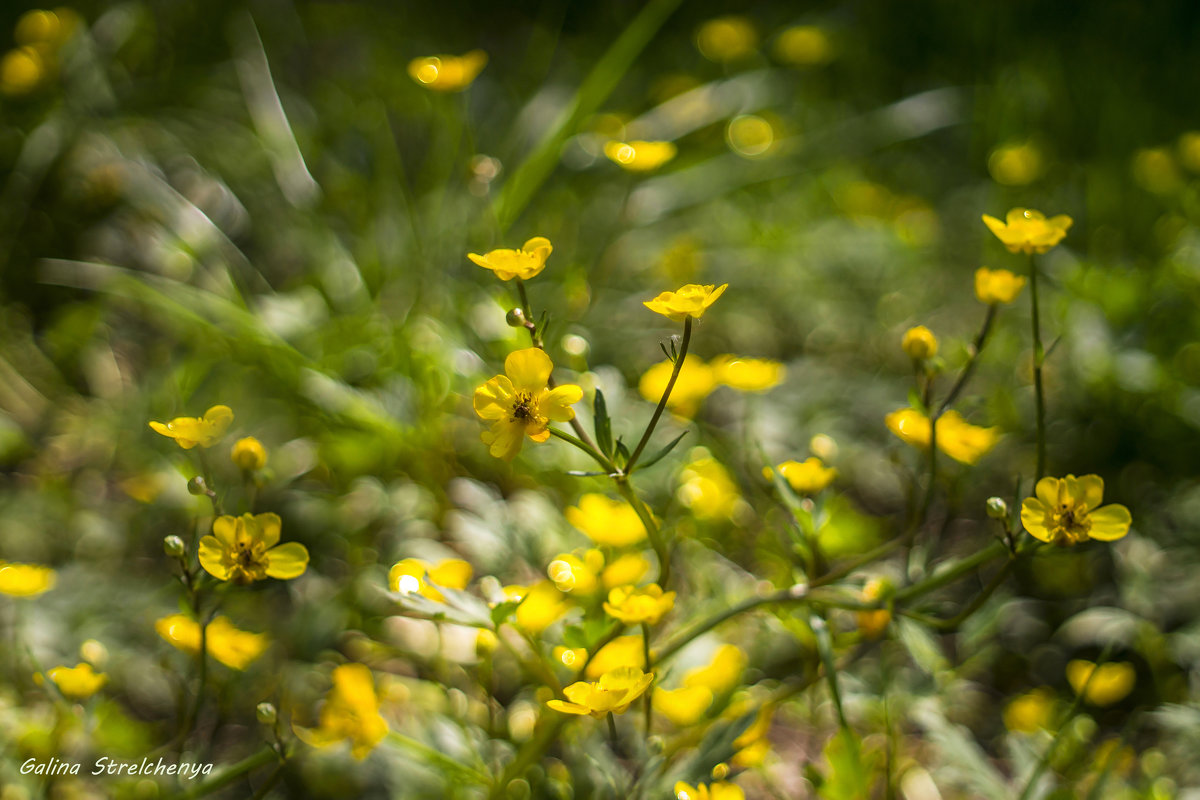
612,694
807,477
804,46
223,640
1027,231
607,521
997,286
707,489
524,263
956,437
1104,684
447,73
747,374
682,707
754,743
541,606
624,651
245,549
79,682
570,657
872,624
625,569
721,674
1068,511
635,606
639,156
721,790
1031,712
351,713
919,343
203,431
248,454
21,70
25,580
691,300
574,575
409,575
520,403
696,381
726,38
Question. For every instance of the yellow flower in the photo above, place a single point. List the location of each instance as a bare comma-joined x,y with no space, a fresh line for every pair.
747,374
754,743
570,657
1068,511
25,580
807,477
191,431
682,707
21,70
1016,164
997,286
726,39
639,156
707,489
872,624
624,651
607,521
1028,231
804,46
226,643
1104,684
350,713
520,404
248,454
691,300
721,674
636,606
919,343
956,437
245,549
79,682
612,694
696,381
721,790
541,606
626,569
46,29
1030,712
574,575
408,576
524,263
447,73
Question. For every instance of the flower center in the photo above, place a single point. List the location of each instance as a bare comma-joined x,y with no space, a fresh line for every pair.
523,408
1072,523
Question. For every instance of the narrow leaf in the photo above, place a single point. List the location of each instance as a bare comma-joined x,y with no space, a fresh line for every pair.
654,459
603,424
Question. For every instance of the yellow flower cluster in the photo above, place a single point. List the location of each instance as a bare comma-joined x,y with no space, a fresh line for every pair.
414,575
223,641
634,606
76,683
697,380
25,580
806,477
606,521
956,437
350,714
707,489
40,36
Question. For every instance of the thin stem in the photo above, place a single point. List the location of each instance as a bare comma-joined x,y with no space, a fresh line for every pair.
646,655
591,451
652,529
208,484
958,619
437,758
969,368
662,402
228,776
1039,356
612,735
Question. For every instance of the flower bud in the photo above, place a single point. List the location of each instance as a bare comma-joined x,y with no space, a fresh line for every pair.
266,713
174,546
197,486
248,454
919,343
997,508
485,643
515,318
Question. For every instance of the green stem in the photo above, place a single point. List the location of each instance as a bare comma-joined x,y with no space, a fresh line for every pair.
583,446
231,774
612,735
652,529
662,402
969,368
953,622
437,758
649,663
1039,355
208,484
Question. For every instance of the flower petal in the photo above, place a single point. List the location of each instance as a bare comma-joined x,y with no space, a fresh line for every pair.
1110,522
225,531
569,708
1033,516
268,526
556,404
529,369
494,398
214,557
287,561
1089,490
504,439
1047,491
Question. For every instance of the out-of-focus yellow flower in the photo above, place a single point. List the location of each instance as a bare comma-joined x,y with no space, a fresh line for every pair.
46,29
607,521
727,39
691,300
804,46
682,260
25,580
754,743
1016,164
997,286
245,549
520,403
635,606
205,431
682,707
721,674
956,437
248,454
541,607
919,343
707,489
351,713
79,682
1154,169
720,790
1067,511
640,156
807,477
144,488
1104,684
570,657
524,263
750,135
696,381
574,575
447,73
872,624
1027,231
408,576
1031,712
624,651
747,374
223,640
1189,150
21,70
625,569
612,694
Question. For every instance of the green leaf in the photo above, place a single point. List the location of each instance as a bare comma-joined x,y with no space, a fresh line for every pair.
921,645
914,400
603,424
502,611
622,454
654,459
849,775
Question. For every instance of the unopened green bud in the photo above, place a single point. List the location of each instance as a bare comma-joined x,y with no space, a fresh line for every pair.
266,713
174,546
515,318
197,486
997,508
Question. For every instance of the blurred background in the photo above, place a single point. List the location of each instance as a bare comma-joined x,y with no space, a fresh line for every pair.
256,204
